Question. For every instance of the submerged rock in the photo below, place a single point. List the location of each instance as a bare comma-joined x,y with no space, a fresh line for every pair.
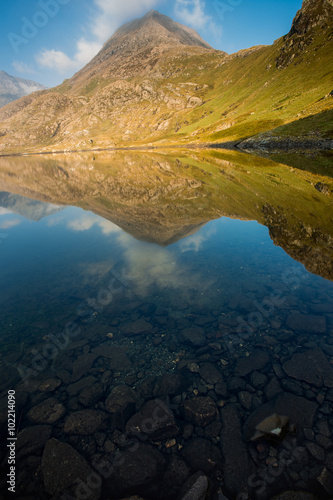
116,354
155,420
121,404
47,412
89,396
295,495
65,470
200,411
32,439
196,488
195,336
273,426
177,472
139,327
237,466
76,387
202,455
307,323
136,469
170,384
326,481
300,412
312,367
210,373
256,361
85,422
82,365
50,385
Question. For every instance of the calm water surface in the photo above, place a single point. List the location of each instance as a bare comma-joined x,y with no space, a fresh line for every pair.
172,318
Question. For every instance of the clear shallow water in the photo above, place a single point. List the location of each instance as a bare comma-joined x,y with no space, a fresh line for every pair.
215,318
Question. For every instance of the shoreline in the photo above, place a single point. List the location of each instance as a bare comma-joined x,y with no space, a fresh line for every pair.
269,145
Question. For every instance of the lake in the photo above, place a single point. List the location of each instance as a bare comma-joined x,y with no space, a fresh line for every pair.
167,325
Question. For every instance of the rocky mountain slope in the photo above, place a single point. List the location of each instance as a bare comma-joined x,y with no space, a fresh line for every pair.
156,82
12,88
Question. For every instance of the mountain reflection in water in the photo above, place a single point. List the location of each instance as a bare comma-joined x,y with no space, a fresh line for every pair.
161,198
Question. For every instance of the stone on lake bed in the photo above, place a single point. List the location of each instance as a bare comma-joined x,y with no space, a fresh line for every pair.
202,455
32,439
312,367
299,410
326,481
121,404
50,385
255,361
77,387
200,410
118,359
47,412
237,464
273,426
135,469
133,498
85,422
64,469
82,365
155,421
138,327
196,487
90,395
295,495
170,384
306,323
195,336
210,373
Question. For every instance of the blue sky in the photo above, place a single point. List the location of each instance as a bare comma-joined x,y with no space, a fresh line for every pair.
49,40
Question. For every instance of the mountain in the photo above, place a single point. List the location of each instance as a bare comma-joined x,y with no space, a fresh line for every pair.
157,82
12,88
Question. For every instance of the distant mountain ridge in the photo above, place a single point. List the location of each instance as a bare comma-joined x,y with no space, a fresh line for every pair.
12,88
156,81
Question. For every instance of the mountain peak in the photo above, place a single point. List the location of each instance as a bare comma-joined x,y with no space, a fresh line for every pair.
151,13
157,28
137,46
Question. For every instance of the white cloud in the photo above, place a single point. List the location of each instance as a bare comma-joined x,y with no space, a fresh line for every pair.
54,59
194,243
59,61
22,67
9,223
192,13
4,211
87,221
